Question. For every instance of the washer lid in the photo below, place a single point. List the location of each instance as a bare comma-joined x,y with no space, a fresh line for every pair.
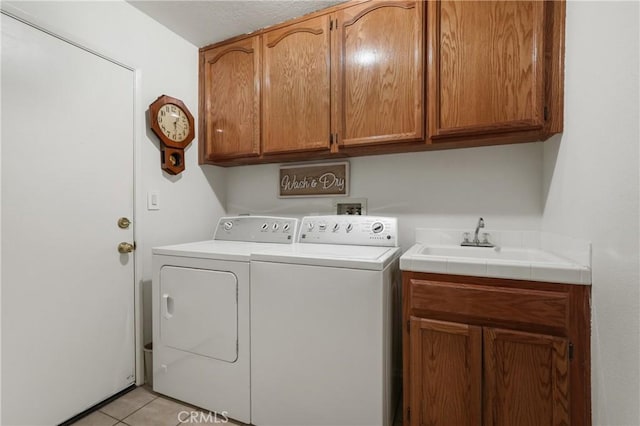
219,250
331,255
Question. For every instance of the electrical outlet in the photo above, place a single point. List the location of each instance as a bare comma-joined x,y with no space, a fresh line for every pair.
352,206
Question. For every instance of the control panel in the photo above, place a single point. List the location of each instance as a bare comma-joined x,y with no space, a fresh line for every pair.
353,230
261,229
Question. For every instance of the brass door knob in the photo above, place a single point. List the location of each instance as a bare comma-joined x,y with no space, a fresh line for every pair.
124,223
126,247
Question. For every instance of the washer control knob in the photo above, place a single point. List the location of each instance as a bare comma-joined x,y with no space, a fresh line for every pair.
228,225
377,227
285,227
276,226
310,226
349,227
322,226
336,227
264,226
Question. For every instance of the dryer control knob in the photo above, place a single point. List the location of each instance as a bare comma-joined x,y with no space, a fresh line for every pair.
310,226
322,226
264,226
275,226
377,227
285,227
349,227
336,227
228,225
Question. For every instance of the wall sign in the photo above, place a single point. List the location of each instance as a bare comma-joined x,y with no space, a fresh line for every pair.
316,180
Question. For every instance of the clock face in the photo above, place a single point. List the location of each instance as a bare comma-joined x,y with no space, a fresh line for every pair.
173,122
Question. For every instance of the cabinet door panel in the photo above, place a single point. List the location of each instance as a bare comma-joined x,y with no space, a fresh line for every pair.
381,74
526,379
446,365
231,105
296,87
487,66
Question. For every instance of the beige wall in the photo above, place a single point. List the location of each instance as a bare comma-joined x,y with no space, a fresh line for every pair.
591,190
449,188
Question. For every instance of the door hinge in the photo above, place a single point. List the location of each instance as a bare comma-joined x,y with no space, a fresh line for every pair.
330,138
409,413
545,113
330,24
570,351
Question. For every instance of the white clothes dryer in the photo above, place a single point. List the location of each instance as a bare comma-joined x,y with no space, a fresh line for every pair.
200,308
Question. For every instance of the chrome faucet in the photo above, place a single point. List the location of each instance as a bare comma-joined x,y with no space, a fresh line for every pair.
476,241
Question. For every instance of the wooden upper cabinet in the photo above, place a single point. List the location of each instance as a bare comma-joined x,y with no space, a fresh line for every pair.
379,73
230,101
446,368
385,76
526,379
489,60
297,87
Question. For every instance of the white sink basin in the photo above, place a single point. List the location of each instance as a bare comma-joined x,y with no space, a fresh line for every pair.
523,263
497,253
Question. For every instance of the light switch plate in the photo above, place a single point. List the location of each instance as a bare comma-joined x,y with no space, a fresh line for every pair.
153,200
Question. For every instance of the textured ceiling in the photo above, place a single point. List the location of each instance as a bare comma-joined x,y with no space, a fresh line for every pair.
206,22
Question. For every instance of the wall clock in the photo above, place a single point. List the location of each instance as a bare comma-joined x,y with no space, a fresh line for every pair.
173,124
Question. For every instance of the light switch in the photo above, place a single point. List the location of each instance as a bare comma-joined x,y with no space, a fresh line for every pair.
153,200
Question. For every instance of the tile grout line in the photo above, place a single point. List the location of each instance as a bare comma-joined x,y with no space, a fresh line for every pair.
134,411
117,420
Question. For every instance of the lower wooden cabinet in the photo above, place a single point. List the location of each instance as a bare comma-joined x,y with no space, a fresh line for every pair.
526,378
446,368
471,362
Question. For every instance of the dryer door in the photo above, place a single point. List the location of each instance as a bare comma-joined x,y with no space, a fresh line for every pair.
199,311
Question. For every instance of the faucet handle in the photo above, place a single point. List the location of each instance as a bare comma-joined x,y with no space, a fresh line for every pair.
466,237
485,238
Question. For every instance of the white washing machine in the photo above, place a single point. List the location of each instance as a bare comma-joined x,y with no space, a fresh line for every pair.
323,313
201,325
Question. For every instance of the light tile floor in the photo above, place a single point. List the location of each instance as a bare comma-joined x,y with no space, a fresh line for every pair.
143,407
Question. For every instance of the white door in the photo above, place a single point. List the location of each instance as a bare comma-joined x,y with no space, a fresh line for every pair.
67,176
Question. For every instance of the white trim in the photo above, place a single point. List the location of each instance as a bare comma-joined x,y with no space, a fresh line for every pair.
138,206
16,15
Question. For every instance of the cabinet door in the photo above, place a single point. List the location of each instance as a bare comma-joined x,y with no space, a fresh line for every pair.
526,379
446,370
486,67
380,73
230,96
296,87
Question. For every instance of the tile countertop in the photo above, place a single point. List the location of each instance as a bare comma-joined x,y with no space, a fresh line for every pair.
544,256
